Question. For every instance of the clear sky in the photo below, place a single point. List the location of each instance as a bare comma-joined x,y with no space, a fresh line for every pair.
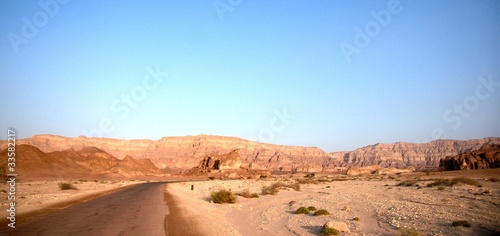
333,74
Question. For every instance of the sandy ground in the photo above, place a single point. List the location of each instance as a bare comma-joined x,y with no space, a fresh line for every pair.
377,201
34,198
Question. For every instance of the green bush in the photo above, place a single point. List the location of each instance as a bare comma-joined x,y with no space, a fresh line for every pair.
327,231
463,223
311,208
66,186
302,210
321,212
223,196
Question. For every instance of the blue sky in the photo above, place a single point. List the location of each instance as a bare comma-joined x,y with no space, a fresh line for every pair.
333,74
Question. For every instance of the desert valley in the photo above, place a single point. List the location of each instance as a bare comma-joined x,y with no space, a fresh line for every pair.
443,187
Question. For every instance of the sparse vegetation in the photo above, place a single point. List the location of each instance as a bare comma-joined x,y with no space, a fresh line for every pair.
292,202
441,188
223,196
327,231
356,219
321,212
302,210
247,194
66,186
307,181
409,232
454,181
463,223
211,178
407,183
311,208
274,188
493,179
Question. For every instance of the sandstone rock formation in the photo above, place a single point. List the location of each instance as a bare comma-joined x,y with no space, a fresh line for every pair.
486,157
223,162
183,153
90,162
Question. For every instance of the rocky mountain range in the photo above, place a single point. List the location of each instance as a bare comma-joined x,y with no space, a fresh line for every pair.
184,153
89,162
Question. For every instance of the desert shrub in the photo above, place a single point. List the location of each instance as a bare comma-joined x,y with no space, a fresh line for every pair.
328,186
409,232
464,180
493,179
463,223
302,210
311,208
440,188
327,231
321,212
211,178
223,196
407,183
66,186
307,181
247,194
454,181
292,202
356,219
274,188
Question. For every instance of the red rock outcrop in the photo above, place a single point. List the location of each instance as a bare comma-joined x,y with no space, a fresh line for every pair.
31,162
486,157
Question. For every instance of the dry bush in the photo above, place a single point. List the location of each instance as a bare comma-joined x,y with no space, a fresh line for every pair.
302,210
307,181
409,232
327,231
246,194
454,181
66,186
223,196
463,223
493,179
274,188
321,212
407,183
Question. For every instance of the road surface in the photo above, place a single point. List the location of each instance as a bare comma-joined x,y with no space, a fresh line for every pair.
138,210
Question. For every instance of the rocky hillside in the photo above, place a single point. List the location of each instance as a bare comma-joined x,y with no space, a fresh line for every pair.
184,153
90,162
486,157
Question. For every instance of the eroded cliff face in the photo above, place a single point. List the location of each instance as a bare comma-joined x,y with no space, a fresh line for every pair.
486,157
402,154
183,153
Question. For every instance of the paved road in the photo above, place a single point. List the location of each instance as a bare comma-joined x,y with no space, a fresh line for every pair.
139,210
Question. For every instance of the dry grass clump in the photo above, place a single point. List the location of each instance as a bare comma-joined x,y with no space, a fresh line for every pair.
493,179
302,210
66,186
407,183
327,231
409,232
307,181
356,219
246,194
311,208
454,181
223,196
274,188
463,223
321,212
